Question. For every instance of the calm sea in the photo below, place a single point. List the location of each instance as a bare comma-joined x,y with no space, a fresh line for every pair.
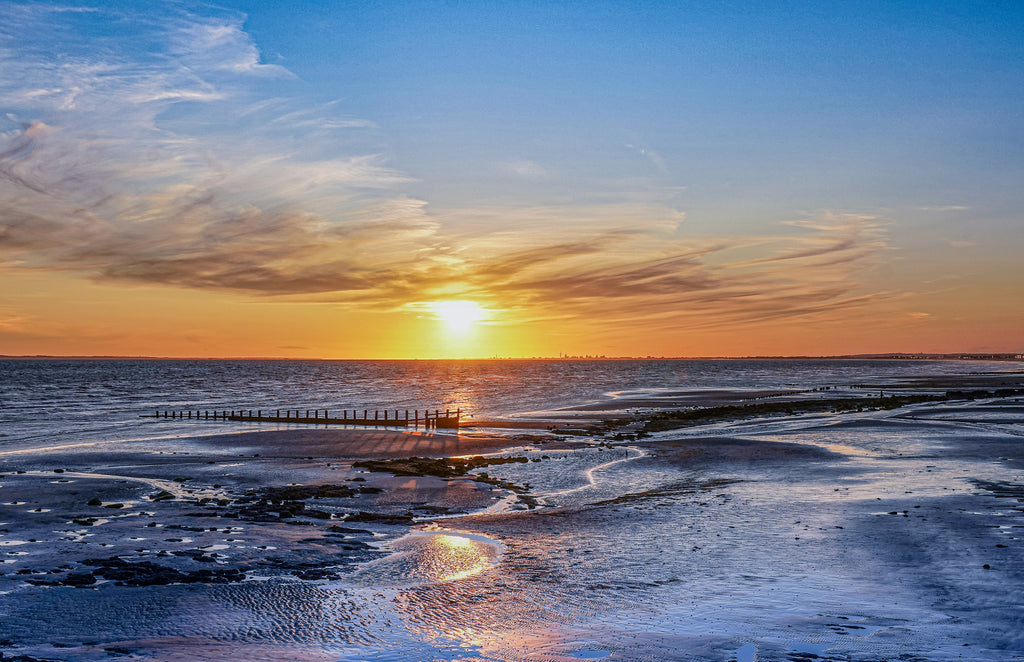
50,401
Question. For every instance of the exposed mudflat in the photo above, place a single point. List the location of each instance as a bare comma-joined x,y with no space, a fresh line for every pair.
878,535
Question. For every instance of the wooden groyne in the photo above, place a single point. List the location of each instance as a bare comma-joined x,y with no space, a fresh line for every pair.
380,418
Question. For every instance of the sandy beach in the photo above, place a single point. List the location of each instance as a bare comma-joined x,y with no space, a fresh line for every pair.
873,535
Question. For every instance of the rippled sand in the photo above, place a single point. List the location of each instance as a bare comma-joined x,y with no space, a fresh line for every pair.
857,537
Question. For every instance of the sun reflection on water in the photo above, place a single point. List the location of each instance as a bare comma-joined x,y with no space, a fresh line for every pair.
449,558
432,557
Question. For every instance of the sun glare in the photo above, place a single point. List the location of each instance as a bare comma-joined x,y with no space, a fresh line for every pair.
458,315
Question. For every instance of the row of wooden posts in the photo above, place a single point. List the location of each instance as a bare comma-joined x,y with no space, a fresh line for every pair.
435,419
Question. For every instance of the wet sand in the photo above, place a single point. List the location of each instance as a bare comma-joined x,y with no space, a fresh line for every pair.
857,536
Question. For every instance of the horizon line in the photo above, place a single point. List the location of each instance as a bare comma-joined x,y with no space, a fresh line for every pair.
1013,355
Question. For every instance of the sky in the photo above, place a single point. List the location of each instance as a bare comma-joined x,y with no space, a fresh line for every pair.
514,179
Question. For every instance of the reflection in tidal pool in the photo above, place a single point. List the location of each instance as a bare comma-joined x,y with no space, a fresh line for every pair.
425,557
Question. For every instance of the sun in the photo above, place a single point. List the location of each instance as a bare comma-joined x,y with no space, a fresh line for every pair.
458,315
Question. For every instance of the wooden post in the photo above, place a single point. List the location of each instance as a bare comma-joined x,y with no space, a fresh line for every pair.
376,414
407,417
366,416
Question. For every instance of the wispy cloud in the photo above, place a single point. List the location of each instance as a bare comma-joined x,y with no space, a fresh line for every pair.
94,180
127,165
943,208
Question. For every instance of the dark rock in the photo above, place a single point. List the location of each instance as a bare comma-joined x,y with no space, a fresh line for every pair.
317,573
95,501
381,518
298,492
79,579
147,573
117,651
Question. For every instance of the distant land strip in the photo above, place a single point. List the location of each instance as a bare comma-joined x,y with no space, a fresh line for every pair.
671,420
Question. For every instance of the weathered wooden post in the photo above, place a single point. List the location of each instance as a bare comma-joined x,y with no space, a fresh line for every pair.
376,414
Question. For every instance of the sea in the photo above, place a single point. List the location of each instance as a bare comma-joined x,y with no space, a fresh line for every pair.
85,400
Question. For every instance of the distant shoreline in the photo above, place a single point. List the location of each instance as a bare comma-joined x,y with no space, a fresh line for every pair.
955,356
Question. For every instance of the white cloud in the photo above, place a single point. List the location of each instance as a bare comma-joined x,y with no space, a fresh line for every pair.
527,169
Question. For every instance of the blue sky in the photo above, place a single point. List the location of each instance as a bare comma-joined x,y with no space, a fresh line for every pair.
823,163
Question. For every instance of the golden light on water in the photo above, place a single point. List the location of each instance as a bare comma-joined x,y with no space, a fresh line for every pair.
451,558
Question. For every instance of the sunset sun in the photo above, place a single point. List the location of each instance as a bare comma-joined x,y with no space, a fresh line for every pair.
459,316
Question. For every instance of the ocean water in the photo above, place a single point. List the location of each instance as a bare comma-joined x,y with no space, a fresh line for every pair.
80,400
